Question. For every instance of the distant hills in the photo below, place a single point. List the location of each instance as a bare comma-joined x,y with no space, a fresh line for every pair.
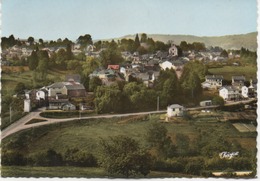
248,40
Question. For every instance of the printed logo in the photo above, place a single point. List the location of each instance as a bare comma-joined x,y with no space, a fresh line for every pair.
228,155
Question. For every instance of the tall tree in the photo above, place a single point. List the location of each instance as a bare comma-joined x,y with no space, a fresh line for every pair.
157,137
110,56
30,40
33,60
61,57
41,41
19,87
94,83
8,42
123,155
42,67
137,42
108,99
143,38
69,52
192,84
90,65
184,46
85,40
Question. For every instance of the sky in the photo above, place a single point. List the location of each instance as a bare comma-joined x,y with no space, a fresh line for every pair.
102,19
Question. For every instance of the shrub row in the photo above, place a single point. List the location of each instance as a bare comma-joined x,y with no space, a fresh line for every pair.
72,157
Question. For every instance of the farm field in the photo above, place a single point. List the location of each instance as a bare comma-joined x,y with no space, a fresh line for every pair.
229,71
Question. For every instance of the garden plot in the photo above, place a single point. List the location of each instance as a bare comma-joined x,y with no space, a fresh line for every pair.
241,127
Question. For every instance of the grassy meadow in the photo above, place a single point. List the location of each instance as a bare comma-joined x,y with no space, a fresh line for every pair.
86,134
248,71
76,172
12,75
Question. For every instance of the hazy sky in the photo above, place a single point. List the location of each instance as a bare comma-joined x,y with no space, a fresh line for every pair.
53,19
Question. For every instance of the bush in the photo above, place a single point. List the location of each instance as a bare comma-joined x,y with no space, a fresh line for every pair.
74,157
235,163
12,158
217,100
206,173
168,166
193,168
194,165
48,158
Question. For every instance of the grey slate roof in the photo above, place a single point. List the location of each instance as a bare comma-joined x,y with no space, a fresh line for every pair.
57,85
173,106
75,87
239,78
214,77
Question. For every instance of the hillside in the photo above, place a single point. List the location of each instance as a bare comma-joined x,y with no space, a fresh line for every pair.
248,41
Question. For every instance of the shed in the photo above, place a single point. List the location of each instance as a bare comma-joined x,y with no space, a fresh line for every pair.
206,103
68,106
175,110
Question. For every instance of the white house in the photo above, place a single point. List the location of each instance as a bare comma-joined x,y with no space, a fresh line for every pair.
212,81
175,110
166,65
244,92
123,70
56,88
41,94
229,93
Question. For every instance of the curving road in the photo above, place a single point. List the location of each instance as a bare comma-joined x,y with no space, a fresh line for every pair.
21,124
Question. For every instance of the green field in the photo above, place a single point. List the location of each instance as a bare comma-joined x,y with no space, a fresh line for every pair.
78,172
11,79
229,71
87,134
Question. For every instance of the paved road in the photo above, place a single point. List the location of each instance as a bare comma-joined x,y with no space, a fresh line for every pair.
20,124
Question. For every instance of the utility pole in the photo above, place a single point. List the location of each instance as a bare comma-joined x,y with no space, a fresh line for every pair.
158,103
10,109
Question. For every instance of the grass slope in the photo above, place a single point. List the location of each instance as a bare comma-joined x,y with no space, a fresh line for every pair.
11,79
229,71
87,134
77,172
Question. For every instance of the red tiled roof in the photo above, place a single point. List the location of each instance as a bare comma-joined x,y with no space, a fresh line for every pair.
114,67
